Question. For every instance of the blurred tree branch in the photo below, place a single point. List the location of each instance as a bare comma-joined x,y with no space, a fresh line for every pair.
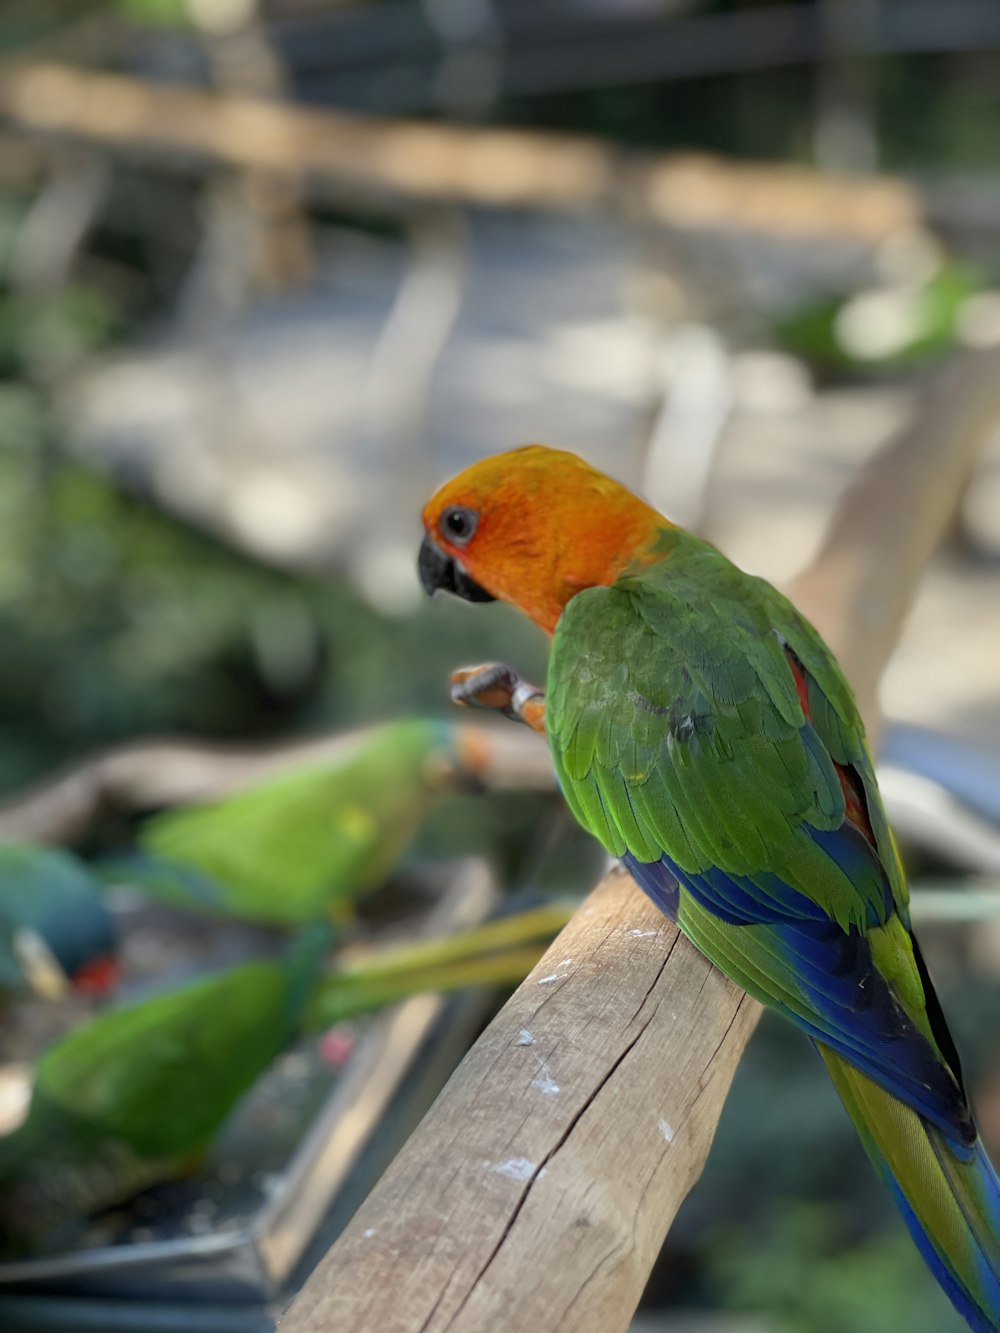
132,779
539,1188
374,157
859,587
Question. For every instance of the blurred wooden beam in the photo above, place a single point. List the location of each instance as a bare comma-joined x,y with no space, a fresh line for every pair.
538,1190
413,160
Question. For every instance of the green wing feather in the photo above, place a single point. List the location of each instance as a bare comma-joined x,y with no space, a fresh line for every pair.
676,726
677,731
680,740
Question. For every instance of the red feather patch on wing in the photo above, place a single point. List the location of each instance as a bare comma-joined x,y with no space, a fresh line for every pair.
850,783
801,684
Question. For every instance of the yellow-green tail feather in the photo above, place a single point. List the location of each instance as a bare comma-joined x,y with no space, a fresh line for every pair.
948,1194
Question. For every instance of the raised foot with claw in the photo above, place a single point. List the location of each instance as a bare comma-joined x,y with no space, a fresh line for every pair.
498,687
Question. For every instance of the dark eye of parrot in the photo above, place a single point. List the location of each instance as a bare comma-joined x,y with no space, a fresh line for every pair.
459,524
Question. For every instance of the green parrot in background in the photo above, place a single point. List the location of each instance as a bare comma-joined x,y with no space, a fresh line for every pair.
136,1095
703,732
300,844
55,931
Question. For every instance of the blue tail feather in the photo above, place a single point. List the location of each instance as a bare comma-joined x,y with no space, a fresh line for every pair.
846,1002
947,1281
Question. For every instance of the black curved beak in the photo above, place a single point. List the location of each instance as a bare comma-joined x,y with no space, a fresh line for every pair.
439,570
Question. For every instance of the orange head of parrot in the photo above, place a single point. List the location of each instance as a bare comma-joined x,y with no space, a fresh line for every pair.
533,527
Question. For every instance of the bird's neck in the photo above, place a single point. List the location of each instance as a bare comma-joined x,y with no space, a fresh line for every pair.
623,545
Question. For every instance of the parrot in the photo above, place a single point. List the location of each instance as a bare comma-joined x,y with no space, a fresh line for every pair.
302,843
135,1095
55,932
703,732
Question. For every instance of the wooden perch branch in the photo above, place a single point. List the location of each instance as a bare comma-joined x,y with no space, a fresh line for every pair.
538,1190
511,1206
417,160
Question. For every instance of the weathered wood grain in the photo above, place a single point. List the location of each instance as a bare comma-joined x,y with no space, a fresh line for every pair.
571,1110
